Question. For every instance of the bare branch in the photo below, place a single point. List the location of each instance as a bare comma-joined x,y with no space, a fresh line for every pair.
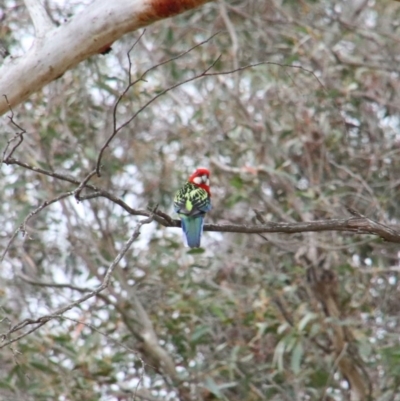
121,96
77,192
63,177
358,224
19,136
133,83
205,73
31,281
98,192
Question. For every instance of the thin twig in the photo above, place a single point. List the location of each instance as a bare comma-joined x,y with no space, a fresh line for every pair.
19,135
153,99
98,192
39,322
58,312
31,281
120,97
205,73
133,83
77,192
22,226
104,335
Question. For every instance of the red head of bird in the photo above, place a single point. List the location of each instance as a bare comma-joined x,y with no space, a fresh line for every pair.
201,178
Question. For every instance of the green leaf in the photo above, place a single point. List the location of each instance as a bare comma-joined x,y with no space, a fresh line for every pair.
199,332
297,355
283,327
306,319
212,387
5,385
42,367
217,311
237,182
319,378
278,354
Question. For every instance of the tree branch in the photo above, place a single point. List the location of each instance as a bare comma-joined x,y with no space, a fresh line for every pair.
133,83
150,339
31,281
39,322
19,136
325,287
22,226
100,24
358,224
205,73
39,17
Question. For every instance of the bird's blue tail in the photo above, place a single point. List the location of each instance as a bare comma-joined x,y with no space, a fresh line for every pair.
193,227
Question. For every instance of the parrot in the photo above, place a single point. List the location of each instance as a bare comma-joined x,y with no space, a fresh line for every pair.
191,203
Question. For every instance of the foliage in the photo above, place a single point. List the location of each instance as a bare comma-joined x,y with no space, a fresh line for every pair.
298,139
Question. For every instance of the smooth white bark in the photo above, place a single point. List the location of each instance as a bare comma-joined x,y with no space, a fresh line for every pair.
40,19
63,47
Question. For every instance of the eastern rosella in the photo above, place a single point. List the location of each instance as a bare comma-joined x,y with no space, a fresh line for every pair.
192,202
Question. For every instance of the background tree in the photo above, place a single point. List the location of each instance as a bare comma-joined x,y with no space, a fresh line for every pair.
98,303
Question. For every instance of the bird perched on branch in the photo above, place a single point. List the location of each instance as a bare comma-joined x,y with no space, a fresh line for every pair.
192,202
